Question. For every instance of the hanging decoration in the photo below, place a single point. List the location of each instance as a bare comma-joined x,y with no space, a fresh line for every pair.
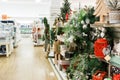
67,16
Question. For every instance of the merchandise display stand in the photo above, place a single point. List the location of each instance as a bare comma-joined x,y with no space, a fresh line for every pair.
37,38
9,48
38,33
39,43
17,36
109,66
116,30
61,75
6,37
59,71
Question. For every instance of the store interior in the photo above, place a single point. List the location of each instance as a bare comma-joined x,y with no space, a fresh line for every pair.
60,40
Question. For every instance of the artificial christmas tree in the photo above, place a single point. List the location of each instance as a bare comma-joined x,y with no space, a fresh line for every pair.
65,10
82,65
47,35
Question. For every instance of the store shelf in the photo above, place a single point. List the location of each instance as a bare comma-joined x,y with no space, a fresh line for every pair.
105,25
2,53
109,65
9,47
97,25
111,25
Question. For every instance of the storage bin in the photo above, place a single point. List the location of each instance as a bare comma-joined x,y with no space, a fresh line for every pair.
99,75
99,45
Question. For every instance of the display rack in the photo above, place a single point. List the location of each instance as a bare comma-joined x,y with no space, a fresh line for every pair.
37,36
109,65
38,32
59,67
6,37
17,36
105,25
8,47
61,75
116,29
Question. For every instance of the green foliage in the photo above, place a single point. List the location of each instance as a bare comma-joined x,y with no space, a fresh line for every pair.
45,21
81,35
82,66
65,9
43,38
89,14
52,36
110,36
47,29
60,31
81,15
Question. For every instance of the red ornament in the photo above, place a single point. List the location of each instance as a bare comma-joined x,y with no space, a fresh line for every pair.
99,45
67,16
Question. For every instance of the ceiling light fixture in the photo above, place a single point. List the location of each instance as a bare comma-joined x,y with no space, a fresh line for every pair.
4,0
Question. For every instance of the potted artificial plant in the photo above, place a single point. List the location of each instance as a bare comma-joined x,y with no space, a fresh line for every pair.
114,14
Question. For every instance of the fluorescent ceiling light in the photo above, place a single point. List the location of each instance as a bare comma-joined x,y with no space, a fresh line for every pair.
4,0
37,1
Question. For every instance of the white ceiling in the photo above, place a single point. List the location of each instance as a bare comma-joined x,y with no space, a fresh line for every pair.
26,1
32,9
25,10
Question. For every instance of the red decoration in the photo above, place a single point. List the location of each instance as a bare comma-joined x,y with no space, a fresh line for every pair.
99,45
99,75
116,77
65,66
67,16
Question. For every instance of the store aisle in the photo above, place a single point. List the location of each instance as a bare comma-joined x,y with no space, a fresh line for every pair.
26,63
